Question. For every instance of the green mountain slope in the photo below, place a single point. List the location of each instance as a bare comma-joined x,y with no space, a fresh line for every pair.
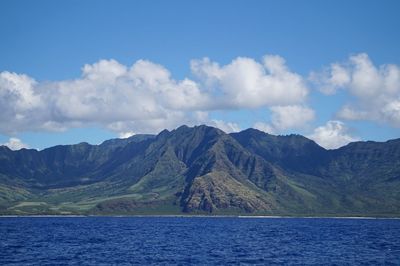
202,170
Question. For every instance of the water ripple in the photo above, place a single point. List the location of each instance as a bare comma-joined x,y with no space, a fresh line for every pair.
203,241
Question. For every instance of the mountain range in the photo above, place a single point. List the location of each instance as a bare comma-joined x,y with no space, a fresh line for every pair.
202,170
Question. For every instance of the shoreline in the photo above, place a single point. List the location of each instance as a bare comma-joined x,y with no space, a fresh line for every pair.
204,216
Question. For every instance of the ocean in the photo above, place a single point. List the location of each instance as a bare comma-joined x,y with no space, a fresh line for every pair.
198,241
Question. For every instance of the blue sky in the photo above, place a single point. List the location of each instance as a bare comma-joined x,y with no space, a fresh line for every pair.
337,63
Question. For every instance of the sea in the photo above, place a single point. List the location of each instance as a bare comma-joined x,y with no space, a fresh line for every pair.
198,241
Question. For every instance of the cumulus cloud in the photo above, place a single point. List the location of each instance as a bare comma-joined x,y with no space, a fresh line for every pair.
144,97
291,116
376,89
125,135
15,144
19,102
332,135
287,117
246,83
331,79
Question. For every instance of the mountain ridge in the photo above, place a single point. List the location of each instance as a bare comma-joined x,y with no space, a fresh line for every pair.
203,170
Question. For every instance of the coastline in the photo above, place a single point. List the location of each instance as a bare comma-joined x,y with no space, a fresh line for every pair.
205,216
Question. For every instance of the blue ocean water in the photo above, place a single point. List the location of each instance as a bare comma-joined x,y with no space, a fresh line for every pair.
197,240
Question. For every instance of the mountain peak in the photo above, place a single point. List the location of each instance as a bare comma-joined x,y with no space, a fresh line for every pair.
253,131
165,132
202,130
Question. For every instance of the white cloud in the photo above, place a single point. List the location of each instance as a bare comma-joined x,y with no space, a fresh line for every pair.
15,144
332,135
245,83
19,90
349,113
140,98
291,116
331,79
376,89
125,135
287,117
19,102
144,97
104,70
391,112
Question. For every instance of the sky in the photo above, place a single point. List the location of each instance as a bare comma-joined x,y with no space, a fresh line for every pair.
87,71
